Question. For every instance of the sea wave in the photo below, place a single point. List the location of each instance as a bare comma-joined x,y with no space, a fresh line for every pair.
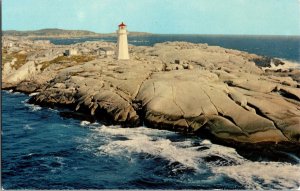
200,157
84,123
27,127
156,142
32,107
89,124
11,91
263,175
286,66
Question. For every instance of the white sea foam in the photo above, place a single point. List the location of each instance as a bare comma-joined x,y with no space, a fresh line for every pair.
27,127
149,141
138,131
262,175
85,123
25,101
142,140
33,107
287,65
33,94
60,160
206,142
153,142
53,110
144,144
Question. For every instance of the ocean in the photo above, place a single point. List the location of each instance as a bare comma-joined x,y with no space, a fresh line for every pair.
43,150
284,47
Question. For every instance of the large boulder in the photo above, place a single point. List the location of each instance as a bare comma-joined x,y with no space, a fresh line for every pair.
189,101
25,72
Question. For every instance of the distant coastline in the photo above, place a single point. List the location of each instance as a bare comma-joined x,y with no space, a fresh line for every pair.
63,33
283,47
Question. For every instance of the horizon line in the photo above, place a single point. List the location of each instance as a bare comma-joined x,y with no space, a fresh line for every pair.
151,33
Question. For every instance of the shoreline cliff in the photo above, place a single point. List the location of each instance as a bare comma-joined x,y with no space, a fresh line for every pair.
232,96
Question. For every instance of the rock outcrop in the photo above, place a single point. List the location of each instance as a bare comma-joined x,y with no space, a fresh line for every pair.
192,88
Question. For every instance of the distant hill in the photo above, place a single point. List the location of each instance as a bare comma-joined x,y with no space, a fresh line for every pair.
54,32
49,32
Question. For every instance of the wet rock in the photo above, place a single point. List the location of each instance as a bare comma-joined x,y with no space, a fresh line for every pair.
262,61
277,62
27,87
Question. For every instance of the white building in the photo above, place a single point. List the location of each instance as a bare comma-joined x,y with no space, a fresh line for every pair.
122,45
71,52
106,51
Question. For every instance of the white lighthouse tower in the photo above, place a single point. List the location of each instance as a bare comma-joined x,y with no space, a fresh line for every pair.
122,49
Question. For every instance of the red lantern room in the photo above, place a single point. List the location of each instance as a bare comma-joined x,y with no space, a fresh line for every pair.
122,25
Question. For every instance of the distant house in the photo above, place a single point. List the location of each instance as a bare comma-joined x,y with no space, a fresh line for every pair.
70,52
106,51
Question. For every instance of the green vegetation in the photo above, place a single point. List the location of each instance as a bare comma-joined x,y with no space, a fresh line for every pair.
67,61
21,58
5,56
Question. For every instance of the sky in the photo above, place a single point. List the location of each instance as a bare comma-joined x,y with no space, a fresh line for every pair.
251,17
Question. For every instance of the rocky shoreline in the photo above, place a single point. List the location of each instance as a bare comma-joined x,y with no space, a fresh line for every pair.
232,96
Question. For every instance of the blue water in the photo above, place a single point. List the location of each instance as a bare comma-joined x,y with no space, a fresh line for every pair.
41,150
286,47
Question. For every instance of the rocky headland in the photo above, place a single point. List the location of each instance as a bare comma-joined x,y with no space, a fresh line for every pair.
231,95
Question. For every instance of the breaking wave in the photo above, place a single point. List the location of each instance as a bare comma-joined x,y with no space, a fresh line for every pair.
32,107
286,66
73,154
262,175
27,127
196,155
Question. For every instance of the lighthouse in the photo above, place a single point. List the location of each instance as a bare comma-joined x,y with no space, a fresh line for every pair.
122,46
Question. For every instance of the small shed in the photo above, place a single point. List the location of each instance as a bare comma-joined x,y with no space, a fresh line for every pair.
70,52
106,51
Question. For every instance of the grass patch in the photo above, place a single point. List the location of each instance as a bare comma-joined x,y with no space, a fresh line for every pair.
21,58
6,57
67,60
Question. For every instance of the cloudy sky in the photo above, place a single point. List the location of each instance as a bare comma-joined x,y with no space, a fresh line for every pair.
263,17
